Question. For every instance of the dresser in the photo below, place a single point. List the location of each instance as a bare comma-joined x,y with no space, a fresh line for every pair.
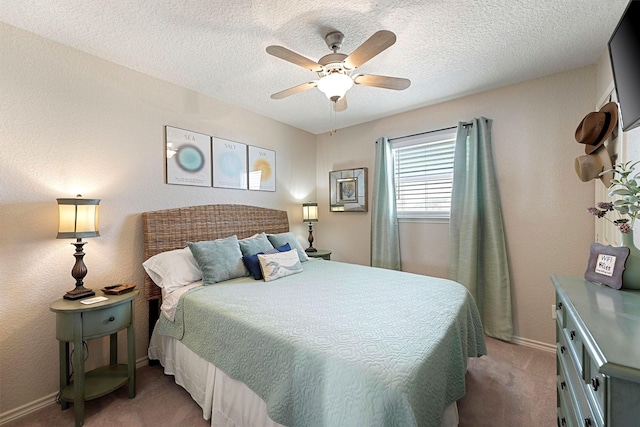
598,354
77,322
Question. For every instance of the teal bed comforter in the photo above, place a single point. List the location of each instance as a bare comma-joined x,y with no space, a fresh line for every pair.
338,344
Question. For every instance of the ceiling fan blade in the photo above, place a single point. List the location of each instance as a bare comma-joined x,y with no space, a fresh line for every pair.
370,48
340,104
294,58
293,90
395,83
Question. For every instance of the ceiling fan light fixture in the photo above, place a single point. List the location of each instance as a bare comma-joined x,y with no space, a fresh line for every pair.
335,85
335,69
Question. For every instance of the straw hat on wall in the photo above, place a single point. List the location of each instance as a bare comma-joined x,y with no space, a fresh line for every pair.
589,166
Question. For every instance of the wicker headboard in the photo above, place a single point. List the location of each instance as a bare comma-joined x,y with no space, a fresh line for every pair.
170,229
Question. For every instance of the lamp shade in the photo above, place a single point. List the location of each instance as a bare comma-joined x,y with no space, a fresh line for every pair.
78,218
335,85
309,212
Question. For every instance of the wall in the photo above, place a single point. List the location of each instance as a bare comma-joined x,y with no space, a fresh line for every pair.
71,123
544,203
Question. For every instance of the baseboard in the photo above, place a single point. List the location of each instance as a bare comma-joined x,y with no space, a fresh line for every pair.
535,344
143,361
23,410
50,399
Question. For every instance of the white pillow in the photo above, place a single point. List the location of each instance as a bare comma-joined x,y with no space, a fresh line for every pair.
275,266
173,269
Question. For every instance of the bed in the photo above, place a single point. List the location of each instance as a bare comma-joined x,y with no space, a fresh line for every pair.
332,344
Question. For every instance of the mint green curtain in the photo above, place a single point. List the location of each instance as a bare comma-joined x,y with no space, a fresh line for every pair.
385,240
478,254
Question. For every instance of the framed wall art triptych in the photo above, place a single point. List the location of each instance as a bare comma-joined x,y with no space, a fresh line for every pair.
201,160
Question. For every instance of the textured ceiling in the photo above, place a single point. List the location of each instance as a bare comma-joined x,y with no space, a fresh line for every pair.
447,48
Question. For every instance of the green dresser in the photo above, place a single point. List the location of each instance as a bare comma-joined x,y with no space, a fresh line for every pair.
598,352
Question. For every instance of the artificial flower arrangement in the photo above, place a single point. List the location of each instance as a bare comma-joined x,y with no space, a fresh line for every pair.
625,185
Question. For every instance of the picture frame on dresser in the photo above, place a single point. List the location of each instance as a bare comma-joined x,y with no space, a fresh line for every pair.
606,264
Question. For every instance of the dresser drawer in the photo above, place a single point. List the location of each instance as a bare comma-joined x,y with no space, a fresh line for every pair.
107,321
575,341
560,311
563,420
596,387
566,412
577,409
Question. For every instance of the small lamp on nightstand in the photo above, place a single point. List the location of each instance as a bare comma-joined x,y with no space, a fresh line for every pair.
78,218
310,215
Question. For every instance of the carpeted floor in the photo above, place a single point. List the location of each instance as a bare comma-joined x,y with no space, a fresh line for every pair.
512,386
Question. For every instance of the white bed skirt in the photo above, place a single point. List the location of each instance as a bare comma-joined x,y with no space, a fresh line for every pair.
225,401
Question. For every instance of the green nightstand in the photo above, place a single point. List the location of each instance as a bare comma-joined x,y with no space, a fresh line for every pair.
76,322
320,253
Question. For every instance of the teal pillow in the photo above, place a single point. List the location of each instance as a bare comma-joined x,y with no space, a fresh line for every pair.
278,240
254,244
219,260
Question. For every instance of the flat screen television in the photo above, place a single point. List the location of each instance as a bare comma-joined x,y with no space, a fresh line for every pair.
624,52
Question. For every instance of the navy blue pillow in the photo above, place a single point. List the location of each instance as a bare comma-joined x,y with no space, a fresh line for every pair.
253,264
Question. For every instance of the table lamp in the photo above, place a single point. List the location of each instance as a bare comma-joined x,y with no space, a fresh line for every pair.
310,215
78,218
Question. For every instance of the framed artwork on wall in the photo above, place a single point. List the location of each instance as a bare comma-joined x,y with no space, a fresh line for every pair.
348,190
262,169
188,157
229,164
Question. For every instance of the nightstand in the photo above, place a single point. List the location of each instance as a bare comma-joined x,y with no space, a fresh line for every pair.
77,322
320,253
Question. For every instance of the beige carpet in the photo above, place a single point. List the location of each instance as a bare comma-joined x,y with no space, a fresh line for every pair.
512,386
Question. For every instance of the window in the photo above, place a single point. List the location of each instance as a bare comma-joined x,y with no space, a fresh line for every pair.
424,174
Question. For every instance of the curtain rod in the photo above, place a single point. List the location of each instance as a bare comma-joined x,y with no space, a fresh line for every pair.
430,131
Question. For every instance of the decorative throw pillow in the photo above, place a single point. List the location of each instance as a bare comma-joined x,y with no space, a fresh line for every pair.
171,270
254,244
278,240
253,264
219,259
275,266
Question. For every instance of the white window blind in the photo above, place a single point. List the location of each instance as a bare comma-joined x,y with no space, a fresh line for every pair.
424,174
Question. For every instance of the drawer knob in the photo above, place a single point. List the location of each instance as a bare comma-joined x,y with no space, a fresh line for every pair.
572,334
595,383
111,319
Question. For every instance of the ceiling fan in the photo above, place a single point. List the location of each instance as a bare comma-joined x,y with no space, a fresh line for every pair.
336,70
